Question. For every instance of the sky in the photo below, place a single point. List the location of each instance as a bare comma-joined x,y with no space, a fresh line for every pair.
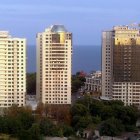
86,19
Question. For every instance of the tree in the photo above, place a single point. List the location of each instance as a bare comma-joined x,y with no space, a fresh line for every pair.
133,114
35,132
106,112
56,131
111,127
60,113
79,109
21,114
116,102
14,126
26,118
96,119
75,120
46,126
83,122
96,108
127,114
67,130
4,125
78,81
40,110
24,135
86,101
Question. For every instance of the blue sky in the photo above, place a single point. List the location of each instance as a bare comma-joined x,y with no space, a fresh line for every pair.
84,18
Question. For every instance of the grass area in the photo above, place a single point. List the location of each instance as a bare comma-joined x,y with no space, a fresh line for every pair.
6,137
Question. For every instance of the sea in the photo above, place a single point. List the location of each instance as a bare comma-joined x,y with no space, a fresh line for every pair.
84,58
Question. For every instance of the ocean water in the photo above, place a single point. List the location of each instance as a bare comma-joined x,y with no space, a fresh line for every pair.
85,58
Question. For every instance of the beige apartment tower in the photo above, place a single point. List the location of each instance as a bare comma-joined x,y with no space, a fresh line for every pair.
54,60
121,64
12,70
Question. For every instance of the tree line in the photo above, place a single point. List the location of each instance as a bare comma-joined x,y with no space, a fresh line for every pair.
77,81
109,117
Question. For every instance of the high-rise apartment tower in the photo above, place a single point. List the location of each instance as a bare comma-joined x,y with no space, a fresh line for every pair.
121,64
12,70
54,51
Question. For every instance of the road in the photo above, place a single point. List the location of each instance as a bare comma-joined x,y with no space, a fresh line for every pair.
75,96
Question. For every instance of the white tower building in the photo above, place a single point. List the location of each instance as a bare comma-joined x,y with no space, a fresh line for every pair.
54,52
12,70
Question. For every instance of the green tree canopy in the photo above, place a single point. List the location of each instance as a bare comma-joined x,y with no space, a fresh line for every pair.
111,127
79,109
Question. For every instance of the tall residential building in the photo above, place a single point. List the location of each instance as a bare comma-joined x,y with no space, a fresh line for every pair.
12,70
121,64
54,51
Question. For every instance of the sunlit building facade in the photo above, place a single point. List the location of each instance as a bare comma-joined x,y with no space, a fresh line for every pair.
121,64
93,82
12,70
54,52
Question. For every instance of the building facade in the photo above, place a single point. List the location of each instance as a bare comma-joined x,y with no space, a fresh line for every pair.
54,53
121,64
93,82
12,70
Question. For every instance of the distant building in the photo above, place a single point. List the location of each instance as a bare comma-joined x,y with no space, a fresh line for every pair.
93,82
54,60
12,70
121,64
31,101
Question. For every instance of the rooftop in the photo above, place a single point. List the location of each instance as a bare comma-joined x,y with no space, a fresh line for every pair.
58,28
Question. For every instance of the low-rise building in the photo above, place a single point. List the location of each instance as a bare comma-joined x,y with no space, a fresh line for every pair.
93,82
